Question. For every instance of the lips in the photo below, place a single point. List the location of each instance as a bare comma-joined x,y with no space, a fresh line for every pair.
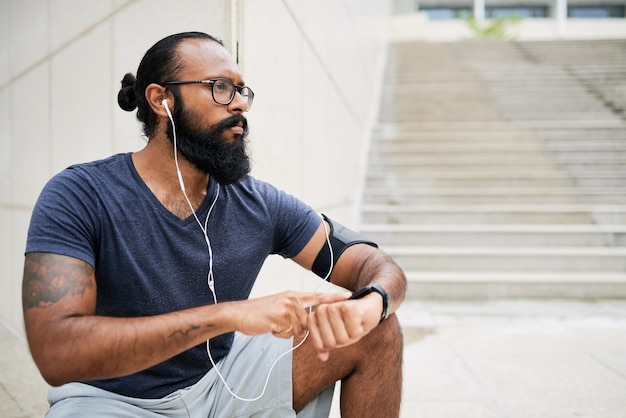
238,128
236,125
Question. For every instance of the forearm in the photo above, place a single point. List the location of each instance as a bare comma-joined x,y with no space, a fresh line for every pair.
359,267
340,325
88,347
84,347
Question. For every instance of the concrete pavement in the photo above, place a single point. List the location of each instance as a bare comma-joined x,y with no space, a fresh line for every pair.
22,390
515,359
500,359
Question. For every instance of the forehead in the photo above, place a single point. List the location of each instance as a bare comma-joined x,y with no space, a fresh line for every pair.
205,58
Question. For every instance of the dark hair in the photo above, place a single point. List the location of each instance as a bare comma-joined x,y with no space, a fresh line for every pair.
159,64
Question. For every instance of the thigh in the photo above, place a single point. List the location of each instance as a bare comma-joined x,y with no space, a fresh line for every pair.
311,376
75,399
254,380
258,371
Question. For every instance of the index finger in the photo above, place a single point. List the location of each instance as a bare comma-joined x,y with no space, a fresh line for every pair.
313,299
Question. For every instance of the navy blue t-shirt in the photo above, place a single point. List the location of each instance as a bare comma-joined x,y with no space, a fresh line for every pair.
148,261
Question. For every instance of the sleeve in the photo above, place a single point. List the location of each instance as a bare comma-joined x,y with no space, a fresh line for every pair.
294,222
64,218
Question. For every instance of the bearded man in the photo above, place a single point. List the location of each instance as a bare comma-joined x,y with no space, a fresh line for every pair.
139,268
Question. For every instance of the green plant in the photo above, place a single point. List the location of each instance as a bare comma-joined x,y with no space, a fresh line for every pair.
498,28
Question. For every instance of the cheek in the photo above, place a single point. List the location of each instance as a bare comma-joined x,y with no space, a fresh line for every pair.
200,112
199,122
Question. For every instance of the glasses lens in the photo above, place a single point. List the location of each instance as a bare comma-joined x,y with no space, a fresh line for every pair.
223,91
247,95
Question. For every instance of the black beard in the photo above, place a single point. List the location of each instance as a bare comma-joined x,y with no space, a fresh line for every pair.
226,161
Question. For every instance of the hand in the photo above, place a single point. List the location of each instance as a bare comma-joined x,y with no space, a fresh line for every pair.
284,314
343,323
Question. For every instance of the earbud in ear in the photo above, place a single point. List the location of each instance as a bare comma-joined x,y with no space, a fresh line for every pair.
167,109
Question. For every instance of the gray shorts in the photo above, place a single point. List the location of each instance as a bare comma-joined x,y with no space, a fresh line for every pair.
245,369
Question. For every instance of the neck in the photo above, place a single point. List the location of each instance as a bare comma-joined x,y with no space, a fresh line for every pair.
156,165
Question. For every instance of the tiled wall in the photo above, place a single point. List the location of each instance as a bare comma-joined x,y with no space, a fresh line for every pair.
315,67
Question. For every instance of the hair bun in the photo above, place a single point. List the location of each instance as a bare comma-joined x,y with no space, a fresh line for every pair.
126,98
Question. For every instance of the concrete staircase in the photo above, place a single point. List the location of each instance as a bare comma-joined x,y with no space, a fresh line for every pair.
498,169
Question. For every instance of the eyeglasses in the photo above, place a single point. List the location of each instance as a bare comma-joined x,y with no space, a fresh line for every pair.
222,89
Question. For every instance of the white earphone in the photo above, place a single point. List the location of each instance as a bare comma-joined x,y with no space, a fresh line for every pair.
210,278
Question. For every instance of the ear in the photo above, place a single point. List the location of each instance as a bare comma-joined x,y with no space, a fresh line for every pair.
155,94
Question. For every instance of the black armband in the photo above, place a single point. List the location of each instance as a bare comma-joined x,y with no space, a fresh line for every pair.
340,238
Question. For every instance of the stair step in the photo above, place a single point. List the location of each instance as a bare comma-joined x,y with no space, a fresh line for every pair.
516,259
497,235
557,134
461,285
616,158
498,125
497,191
485,196
389,148
407,114
507,170
510,134
482,181
499,169
490,175
493,214
576,168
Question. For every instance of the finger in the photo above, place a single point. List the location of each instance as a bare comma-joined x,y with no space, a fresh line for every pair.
315,339
300,322
313,299
340,326
353,323
341,320
295,316
324,327
286,333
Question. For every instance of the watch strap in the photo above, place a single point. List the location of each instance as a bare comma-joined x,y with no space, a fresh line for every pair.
375,287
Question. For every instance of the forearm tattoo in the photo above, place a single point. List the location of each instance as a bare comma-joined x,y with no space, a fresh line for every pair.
184,333
48,278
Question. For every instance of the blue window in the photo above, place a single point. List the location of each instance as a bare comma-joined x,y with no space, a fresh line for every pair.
516,11
595,12
444,13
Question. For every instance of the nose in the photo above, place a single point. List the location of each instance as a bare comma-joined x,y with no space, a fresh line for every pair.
239,103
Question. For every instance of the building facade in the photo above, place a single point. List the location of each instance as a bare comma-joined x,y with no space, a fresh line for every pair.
450,9
314,67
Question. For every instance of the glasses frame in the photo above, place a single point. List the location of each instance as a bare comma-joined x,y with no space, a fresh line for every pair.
237,89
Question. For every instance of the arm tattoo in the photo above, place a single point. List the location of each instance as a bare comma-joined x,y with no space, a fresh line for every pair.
185,333
48,278
188,331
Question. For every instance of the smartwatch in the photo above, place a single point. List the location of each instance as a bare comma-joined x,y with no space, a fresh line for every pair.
374,287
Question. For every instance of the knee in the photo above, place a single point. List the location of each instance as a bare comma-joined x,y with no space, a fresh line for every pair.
387,338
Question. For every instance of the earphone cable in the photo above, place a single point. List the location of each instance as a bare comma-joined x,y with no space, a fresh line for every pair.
210,277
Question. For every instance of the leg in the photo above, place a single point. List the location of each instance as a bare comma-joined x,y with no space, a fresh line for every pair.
370,372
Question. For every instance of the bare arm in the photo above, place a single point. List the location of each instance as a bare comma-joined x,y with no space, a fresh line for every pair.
338,325
70,343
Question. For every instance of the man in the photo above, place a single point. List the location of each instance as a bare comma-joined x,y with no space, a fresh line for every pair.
138,270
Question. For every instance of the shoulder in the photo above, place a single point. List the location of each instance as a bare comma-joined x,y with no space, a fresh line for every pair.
113,164
85,177
254,193
261,197
252,184
80,188
263,190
